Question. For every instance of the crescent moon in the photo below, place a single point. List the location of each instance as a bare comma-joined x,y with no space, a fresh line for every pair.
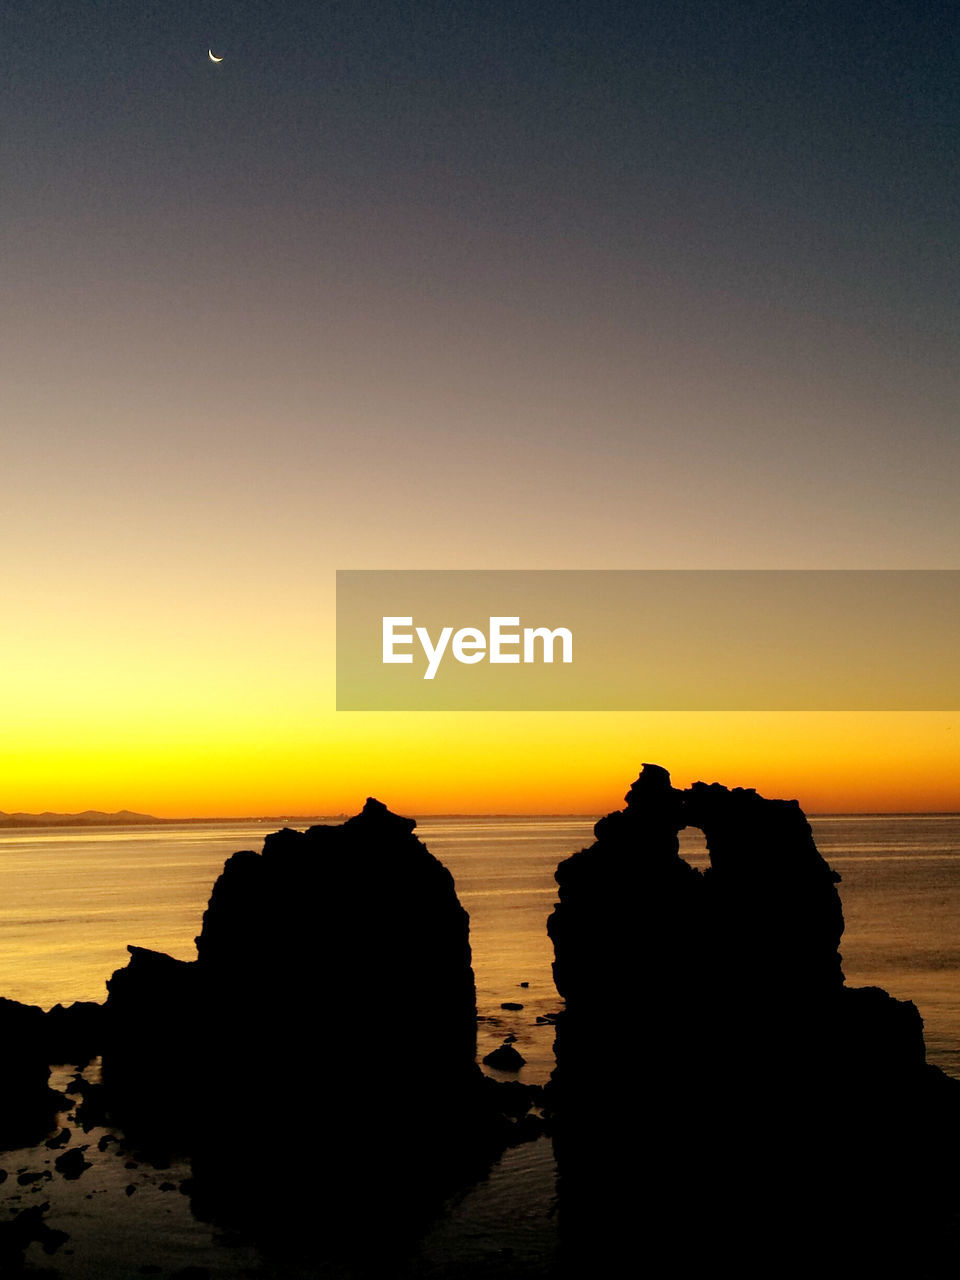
212,56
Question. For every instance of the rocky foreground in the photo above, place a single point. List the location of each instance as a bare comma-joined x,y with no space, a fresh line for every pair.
332,995
721,1096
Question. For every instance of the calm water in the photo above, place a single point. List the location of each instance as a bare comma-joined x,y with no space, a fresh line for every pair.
71,901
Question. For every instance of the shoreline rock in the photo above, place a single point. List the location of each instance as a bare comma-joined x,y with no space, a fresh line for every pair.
749,1065
306,962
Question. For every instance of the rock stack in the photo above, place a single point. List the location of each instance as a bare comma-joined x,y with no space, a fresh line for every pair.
709,1036
329,1020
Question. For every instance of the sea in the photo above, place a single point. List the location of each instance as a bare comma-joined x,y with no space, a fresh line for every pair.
73,898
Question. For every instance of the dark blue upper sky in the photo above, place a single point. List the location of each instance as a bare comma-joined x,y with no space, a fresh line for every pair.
712,245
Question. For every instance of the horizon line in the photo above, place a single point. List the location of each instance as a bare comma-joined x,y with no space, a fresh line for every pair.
148,820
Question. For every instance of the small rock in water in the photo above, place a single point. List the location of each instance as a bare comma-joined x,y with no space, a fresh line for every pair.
71,1164
61,1140
524,984
512,1006
506,1058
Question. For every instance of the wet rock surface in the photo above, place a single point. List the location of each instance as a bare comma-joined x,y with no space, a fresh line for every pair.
803,1109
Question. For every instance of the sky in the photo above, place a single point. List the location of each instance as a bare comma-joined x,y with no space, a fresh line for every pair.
486,285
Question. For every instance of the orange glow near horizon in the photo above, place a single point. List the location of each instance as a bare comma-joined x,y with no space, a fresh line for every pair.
421,764
199,704
260,328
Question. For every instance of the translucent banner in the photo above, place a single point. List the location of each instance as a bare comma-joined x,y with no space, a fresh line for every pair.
648,640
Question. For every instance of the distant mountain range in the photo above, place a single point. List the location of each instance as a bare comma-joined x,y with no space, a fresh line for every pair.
126,818
89,818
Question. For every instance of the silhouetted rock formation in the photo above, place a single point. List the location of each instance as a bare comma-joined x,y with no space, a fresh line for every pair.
31,1039
29,1105
712,1006
331,1009
73,1033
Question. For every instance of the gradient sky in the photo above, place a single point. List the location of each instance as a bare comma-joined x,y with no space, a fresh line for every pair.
486,285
